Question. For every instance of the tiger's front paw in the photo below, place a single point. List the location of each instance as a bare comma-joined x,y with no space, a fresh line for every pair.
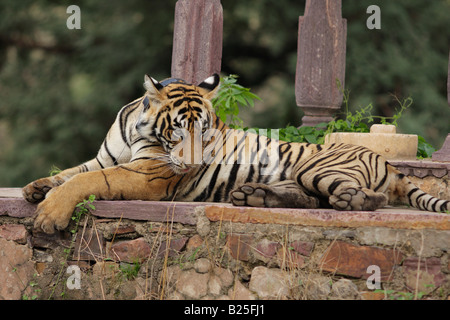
53,213
35,191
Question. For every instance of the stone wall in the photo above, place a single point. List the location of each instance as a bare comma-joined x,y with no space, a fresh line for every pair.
204,251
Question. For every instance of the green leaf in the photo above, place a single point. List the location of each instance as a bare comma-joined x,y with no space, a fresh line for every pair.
311,138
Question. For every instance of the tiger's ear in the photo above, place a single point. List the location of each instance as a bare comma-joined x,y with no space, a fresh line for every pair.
152,85
153,88
209,87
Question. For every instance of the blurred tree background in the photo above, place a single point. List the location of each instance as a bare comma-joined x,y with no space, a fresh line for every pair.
60,89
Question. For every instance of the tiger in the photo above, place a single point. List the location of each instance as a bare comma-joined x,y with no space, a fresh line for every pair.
169,145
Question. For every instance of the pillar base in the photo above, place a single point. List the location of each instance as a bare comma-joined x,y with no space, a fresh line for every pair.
318,114
443,155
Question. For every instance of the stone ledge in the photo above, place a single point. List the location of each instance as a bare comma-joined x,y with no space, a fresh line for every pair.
422,168
185,212
387,217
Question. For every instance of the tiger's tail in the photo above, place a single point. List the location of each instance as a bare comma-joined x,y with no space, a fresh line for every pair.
404,191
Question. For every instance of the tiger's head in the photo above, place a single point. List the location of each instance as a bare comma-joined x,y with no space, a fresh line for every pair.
176,114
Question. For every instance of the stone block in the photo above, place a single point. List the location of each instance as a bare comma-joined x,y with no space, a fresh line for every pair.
16,269
130,251
423,275
41,239
371,295
390,145
240,292
239,246
14,232
157,211
303,247
192,284
344,289
89,245
174,246
269,283
202,265
398,218
194,242
353,260
289,259
266,249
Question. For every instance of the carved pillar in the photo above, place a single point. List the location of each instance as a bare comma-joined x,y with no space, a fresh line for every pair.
321,60
197,40
444,153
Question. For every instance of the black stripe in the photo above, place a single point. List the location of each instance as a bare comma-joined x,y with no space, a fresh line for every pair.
179,102
218,195
333,186
384,178
123,119
300,153
106,180
175,188
251,173
206,192
433,206
287,164
101,165
367,175
410,194
195,100
428,202
175,95
232,178
114,160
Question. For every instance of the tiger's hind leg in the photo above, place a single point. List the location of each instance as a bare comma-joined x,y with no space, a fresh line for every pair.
358,198
284,194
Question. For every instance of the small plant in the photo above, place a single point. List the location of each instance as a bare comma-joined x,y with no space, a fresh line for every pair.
400,295
33,284
54,170
130,271
424,149
81,209
231,96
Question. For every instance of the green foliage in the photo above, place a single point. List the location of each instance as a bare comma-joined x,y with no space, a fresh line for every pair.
303,134
84,206
357,121
401,295
54,170
230,98
424,149
361,118
130,271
